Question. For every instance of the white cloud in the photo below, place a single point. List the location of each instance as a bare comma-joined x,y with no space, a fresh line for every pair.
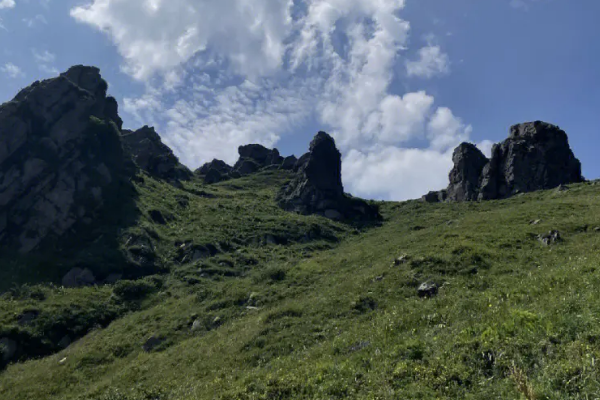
396,173
12,71
222,74
486,147
7,4
38,19
157,35
432,62
45,61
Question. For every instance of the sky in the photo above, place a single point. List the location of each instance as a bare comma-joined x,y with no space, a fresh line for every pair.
398,83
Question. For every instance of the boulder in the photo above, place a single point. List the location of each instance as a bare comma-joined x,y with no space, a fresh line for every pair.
78,277
153,156
214,171
536,156
427,289
62,163
549,238
317,187
435,197
469,162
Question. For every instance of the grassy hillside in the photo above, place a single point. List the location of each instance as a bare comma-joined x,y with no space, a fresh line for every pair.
277,305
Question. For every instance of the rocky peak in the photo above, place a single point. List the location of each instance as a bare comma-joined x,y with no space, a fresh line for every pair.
87,78
254,157
153,156
535,156
317,187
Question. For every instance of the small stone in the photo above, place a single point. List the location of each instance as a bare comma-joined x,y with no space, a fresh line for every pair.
562,188
427,289
63,361
535,222
197,326
378,278
403,259
597,229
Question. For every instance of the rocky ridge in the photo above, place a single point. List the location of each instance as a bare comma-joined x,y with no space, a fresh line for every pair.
535,156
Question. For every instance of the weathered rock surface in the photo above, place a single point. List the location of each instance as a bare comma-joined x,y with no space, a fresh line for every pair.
78,277
61,158
536,156
465,177
317,187
289,163
153,156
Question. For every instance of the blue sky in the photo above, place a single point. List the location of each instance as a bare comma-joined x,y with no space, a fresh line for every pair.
398,83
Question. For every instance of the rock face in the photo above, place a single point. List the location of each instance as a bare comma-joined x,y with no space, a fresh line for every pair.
215,171
154,157
465,177
317,187
536,156
61,158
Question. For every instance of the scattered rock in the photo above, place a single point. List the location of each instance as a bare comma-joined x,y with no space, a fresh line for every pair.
403,259
152,343
535,222
549,238
197,326
317,187
597,229
78,277
63,361
428,289
562,188
154,157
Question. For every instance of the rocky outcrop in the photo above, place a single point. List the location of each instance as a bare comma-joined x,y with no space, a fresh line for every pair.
62,161
153,156
536,156
317,187
215,171
465,177
254,157
289,163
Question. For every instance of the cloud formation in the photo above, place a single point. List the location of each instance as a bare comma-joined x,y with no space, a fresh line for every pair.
7,4
222,74
12,71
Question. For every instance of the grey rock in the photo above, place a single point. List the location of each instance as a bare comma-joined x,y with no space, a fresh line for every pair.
597,229
549,238
469,162
435,197
427,289
197,326
8,349
78,277
153,156
152,343
317,187
535,156
535,222
215,171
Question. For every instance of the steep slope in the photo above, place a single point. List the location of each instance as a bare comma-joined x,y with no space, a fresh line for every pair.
512,317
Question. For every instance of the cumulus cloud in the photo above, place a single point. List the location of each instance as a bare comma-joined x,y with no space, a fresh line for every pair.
222,74
45,61
432,62
7,4
12,71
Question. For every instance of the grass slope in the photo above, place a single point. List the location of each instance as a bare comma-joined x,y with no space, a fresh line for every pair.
301,307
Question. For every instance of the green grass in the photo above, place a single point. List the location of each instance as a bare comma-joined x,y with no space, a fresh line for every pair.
327,313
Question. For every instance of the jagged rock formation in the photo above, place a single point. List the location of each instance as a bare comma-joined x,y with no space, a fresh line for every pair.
254,157
536,156
154,157
61,158
317,187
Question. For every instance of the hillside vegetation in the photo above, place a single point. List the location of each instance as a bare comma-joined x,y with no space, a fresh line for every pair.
252,302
